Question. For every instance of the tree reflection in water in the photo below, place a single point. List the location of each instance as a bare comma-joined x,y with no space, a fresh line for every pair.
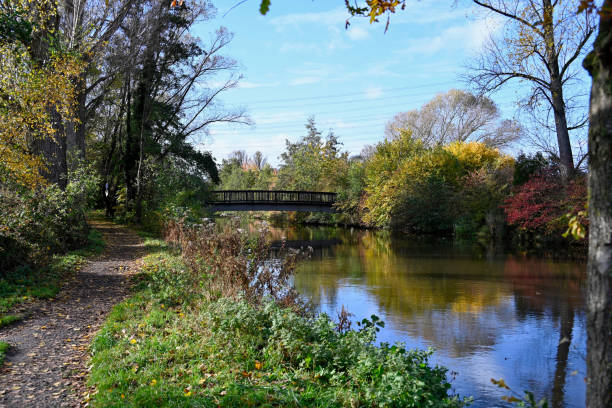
473,306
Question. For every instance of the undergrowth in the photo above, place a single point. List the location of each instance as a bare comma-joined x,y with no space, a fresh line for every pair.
3,348
184,339
27,282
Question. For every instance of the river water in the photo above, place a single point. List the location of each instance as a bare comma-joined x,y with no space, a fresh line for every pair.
485,313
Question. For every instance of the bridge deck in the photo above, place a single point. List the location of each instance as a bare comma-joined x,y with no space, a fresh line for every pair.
269,200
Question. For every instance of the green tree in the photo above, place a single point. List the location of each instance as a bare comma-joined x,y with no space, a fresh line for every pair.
312,163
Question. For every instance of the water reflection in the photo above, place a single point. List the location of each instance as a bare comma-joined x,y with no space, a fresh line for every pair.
487,314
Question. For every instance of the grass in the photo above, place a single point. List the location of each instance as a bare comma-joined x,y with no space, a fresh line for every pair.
26,283
3,348
8,319
176,343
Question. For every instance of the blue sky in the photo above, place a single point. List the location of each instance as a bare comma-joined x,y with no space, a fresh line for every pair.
299,60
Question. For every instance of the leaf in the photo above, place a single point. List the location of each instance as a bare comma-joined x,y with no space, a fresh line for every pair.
264,7
500,383
511,399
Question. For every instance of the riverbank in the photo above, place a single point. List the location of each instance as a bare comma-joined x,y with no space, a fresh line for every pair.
560,248
181,339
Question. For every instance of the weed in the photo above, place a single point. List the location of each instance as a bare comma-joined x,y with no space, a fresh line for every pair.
3,349
238,264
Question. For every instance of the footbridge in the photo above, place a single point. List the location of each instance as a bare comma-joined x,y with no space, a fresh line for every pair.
271,200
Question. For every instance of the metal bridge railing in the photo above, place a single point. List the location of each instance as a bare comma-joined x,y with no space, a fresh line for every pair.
270,197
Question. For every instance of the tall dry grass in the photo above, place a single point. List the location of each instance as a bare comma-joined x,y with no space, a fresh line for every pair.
238,264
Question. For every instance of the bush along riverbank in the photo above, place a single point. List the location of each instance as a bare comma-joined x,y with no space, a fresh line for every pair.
214,322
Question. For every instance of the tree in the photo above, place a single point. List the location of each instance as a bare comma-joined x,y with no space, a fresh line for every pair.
542,40
36,95
162,101
87,27
259,161
599,269
456,116
237,173
241,157
312,163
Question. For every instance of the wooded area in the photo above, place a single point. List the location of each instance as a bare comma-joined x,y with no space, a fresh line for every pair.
102,104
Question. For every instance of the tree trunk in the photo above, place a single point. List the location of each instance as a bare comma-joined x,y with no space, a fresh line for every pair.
75,129
599,275
566,160
131,153
51,148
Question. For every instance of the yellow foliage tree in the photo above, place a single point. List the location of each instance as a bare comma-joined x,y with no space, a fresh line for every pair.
30,95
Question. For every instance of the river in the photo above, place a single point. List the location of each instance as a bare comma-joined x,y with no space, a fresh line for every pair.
485,313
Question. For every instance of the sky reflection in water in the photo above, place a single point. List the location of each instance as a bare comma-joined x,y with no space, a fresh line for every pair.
487,314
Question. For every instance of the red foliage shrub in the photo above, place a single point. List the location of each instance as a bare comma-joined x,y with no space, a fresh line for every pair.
541,203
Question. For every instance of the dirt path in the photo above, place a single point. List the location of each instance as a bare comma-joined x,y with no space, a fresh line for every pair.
46,364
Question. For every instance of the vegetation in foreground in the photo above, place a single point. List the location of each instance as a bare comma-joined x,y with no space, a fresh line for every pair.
188,338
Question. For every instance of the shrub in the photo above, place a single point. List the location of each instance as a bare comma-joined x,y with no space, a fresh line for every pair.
236,263
482,193
425,206
541,204
409,187
342,368
36,224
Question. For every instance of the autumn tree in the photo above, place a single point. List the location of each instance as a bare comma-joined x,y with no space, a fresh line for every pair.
36,94
541,44
241,157
456,116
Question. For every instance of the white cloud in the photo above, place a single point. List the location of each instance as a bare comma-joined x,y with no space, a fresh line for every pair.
373,93
335,17
311,73
332,22
358,33
279,118
305,81
467,37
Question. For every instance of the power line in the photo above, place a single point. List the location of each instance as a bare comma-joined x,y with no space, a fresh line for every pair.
353,119
352,93
368,100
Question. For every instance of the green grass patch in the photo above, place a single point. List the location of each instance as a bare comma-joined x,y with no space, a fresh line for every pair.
3,349
27,282
8,319
172,345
